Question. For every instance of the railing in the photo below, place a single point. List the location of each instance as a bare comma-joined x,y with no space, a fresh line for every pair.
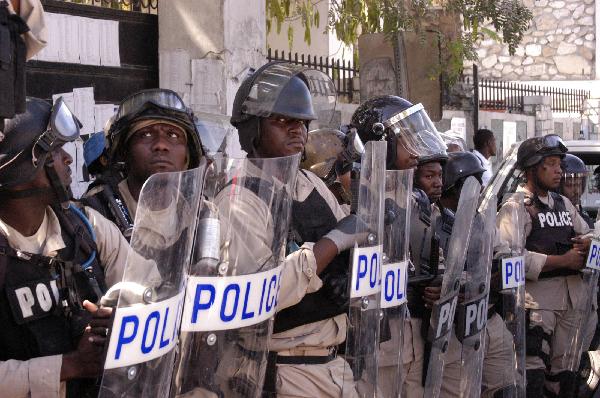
145,6
340,71
501,95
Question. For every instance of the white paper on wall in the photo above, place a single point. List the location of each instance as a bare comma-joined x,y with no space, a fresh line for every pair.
207,93
109,43
89,41
50,52
459,125
69,44
102,112
84,108
509,135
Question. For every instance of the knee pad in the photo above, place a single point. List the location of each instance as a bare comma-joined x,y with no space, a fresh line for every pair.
535,382
506,392
534,342
568,384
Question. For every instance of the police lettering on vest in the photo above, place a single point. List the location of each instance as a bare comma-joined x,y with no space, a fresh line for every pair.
143,332
513,272
555,219
394,277
33,301
593,259
232,302
366,271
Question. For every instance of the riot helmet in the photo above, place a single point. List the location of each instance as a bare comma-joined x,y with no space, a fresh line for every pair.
458,167
533,150
29,140
574,178
391,118
148,105
285,90
454,142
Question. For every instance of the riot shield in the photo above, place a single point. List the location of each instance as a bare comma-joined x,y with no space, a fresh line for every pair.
234,281
442,314
362,337
472,309
508,296
394,274
149,300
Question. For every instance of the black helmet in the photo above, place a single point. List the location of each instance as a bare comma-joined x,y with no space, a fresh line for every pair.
572,165
29,138
390,118
534,150
282,89
438,157
158,104
459,166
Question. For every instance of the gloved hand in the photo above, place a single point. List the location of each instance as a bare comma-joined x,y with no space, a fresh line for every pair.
344,235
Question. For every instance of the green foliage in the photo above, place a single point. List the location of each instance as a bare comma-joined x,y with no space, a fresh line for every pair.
349,18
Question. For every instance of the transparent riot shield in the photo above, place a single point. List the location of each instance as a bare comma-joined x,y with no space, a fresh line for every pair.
472,309
394,274
442,314
234,281
508,296
362,339
149,300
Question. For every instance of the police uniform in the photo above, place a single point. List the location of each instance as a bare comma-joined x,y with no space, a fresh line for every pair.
35,371
310,324
552,297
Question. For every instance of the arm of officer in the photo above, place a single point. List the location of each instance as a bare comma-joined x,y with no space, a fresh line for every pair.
37,377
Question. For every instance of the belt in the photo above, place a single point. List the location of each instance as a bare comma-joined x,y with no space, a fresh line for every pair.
311,356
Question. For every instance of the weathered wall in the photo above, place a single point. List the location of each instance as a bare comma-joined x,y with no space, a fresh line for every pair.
560,45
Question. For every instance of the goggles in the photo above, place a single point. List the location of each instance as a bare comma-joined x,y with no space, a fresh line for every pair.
416,132
552,142
163,98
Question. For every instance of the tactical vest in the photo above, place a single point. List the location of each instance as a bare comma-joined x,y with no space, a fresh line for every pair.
443,228
34,290
311,220
13,52
551,230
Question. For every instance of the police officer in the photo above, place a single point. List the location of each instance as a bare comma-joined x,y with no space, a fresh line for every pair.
53,256
153,131
498,346
387,118
574,183
312,306
555,254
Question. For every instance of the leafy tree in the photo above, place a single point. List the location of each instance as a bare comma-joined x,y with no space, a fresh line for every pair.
503,20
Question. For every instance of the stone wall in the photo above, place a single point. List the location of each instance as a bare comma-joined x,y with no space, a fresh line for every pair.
560,45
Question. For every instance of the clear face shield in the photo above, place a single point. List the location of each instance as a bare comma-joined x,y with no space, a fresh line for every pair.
416,132
573,185
268,95
330,153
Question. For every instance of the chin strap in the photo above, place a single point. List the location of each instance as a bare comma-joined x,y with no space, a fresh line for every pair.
63,193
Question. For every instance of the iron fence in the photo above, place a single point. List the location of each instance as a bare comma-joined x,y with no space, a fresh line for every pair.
145,6
502,95
340,71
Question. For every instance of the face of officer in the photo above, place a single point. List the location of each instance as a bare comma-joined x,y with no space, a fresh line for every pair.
62,160
404,158
548,173
281,136
492,146
572,188
428,177
156,148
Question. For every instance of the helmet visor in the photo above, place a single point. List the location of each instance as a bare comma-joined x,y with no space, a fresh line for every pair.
573,186
267,89
553,142
163,98
322,149
416,132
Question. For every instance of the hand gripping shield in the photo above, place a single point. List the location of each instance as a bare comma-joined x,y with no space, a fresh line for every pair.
472,310
508,295
149,300
442,314
234,281
394,274
362,338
